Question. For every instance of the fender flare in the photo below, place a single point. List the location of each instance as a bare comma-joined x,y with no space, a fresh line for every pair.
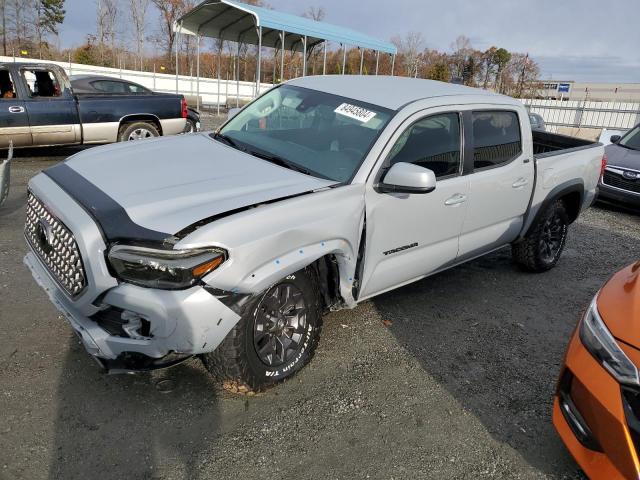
562,190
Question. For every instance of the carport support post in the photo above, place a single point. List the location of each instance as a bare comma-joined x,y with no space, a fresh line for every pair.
282,59
324,60
259,66
304,57
219,73
176,42
393,64
198,72
361,59
238,76
377,61
344,58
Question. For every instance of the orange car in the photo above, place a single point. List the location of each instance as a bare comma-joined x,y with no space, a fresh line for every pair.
596,409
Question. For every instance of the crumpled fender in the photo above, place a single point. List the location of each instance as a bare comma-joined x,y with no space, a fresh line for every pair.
269,242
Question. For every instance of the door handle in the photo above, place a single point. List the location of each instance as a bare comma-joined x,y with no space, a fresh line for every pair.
521,182
15,109
457,199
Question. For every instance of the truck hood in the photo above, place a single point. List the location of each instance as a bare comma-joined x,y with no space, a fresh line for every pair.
618,156
619,305
168,184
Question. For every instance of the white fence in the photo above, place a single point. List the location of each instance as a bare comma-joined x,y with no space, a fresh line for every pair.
585,114
228,93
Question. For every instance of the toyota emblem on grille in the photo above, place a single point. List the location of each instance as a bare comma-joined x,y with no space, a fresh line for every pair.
44,235
631,175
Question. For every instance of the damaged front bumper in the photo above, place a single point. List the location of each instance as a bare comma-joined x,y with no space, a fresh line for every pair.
158,328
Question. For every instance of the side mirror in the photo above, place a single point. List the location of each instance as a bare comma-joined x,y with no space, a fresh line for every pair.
233,112
408,178
615,138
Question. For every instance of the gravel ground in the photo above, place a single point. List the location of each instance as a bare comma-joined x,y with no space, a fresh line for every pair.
450,377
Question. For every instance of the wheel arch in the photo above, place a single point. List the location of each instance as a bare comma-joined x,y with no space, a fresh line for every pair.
570,193
140,117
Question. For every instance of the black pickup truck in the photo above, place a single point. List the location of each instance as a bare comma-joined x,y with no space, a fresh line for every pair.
39,108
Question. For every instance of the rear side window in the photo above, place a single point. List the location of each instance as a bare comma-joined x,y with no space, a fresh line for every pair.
496,137
433,143
41,83
137,88
108,86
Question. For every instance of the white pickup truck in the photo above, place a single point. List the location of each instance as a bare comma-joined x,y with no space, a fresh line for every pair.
322,193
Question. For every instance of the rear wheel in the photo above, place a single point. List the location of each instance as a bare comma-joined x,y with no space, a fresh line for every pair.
190,126
540,250
276,336
137,131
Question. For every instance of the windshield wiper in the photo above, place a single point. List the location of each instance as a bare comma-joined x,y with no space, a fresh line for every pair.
285,163
228,140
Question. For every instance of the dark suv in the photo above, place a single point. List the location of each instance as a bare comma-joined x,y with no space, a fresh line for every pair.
621,180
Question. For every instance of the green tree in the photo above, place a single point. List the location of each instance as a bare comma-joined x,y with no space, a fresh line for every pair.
49,16
52,14
439,71
501,60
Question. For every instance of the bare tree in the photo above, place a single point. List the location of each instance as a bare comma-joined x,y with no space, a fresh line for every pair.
316,14
462,51
138,14
409,49
170,11
3,7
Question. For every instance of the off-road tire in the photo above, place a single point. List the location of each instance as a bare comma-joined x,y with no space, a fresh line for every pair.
532,252
128,128
236,362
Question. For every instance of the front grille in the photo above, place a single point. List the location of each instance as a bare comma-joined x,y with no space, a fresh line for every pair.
618,181
54,243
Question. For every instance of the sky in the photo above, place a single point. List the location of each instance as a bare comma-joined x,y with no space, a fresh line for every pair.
581,40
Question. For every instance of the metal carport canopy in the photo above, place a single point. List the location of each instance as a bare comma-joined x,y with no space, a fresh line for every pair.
233,21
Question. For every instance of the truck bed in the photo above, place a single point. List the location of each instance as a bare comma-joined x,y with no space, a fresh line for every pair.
546,144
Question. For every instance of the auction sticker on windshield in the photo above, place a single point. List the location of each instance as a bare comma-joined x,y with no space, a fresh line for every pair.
357,113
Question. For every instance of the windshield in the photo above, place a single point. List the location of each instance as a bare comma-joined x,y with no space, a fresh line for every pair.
322,134
631,139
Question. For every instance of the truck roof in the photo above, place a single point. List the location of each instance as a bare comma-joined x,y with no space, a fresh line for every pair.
390,92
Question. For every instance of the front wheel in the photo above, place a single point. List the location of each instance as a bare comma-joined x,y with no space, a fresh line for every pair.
137,131
540,250
276,336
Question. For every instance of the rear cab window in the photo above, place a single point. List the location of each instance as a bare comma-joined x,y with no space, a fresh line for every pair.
497,138
41,83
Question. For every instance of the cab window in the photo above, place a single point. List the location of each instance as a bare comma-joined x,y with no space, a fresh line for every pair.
433,143
7,88
42,83
496,136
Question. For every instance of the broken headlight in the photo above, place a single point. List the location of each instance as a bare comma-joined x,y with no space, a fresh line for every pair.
597,339
164,269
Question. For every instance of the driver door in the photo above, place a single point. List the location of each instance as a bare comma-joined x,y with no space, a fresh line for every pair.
409,236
